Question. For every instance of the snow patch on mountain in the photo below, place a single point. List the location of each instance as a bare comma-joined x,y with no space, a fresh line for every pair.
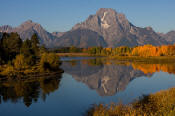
104,23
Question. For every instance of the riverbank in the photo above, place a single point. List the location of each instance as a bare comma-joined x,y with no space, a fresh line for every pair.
7,71
159,104
46,63
73,54
154,59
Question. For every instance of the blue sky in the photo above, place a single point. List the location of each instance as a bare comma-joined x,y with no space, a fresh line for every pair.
61,15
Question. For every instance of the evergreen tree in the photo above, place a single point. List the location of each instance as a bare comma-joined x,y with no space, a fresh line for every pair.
11,44
26,48
28,52
43,49
35,43
1,53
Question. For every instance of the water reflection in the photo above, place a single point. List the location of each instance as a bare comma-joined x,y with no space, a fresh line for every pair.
28,90
85,82
152,68
108,77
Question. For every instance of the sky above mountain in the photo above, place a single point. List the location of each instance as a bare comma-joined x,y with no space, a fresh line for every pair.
62,15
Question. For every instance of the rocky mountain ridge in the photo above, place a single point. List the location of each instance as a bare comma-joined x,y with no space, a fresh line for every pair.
106,28
27,29
118,31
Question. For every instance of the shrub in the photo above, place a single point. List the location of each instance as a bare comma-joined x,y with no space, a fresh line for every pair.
19,62
9,71
49,62
31,60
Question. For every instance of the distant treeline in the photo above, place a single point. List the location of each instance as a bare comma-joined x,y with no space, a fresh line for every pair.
71,49
144,51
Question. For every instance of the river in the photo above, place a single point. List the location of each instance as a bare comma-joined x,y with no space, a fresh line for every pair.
85,81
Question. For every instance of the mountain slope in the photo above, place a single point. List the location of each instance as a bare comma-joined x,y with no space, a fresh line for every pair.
118,31
170,37
58,34
106,28
80,38
27,29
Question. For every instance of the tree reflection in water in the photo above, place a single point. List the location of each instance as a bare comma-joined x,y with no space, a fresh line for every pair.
28,90
108,76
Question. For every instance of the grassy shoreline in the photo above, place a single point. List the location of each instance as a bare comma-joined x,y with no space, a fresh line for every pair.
9,72
46,63
161,103
73,54
154,59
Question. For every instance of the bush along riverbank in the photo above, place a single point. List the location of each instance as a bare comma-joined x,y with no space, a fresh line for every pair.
159,104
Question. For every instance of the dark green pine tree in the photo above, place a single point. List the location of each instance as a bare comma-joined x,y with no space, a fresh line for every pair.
35,43
28,52
11,45
1,54
26,48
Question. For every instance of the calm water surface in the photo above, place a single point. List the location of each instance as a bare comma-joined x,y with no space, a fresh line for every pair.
86,81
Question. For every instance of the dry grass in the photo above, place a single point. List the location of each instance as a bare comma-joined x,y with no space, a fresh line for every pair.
159,104
73,54
156,59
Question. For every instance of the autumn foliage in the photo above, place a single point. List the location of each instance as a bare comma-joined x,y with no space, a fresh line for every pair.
143,51
150,50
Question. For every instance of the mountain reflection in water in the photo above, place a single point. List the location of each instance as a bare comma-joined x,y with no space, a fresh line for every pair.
108,77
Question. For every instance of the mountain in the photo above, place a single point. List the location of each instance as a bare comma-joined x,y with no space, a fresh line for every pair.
27,29
80,38
170,37
118,31
6,28
106,28
58,34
